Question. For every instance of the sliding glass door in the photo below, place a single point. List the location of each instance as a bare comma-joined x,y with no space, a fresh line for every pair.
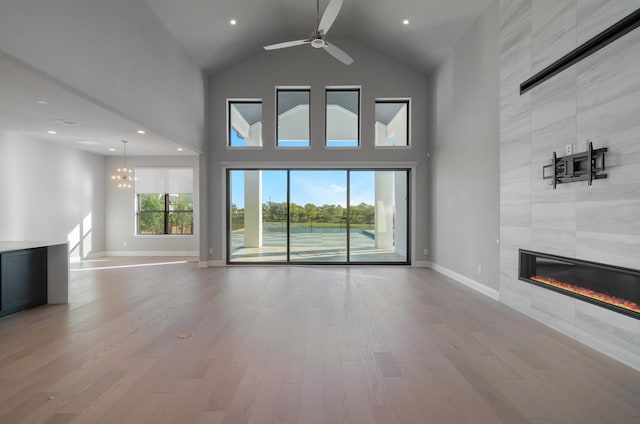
257,216
378,216
331,216
318,216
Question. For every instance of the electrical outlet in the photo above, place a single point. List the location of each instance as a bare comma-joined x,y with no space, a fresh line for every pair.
124,243
211,251
568,149
426,252
479,269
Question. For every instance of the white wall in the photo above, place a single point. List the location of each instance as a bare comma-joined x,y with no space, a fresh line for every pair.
465,155
50,192
379,77
114,51
120,212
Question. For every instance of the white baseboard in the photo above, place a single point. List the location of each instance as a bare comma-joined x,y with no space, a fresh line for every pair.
422,264
150,253
479,287
216,263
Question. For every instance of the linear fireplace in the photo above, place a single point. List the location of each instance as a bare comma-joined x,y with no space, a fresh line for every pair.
612,287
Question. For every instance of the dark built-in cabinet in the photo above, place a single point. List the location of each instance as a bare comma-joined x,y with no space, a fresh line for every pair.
23,280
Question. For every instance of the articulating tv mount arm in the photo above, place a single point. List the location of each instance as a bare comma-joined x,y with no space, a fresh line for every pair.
583,166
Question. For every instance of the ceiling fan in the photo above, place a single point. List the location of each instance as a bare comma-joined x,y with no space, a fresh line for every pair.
317,39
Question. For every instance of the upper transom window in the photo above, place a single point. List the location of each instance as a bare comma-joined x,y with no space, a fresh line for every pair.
342,127
244,123
392,122
292,129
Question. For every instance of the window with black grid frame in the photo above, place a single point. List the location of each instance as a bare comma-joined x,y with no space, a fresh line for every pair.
164,201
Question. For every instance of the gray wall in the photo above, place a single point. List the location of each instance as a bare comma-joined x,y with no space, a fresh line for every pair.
49,191
120,218
465,151
596,100
257,78
116,52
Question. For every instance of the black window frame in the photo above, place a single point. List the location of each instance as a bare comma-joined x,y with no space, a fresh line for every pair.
326,121
228,217
241,101
166,214
406,101
291,89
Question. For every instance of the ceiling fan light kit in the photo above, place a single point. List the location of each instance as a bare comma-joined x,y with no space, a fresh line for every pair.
317,39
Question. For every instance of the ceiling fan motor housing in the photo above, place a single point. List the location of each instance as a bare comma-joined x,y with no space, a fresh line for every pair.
318,43
317,39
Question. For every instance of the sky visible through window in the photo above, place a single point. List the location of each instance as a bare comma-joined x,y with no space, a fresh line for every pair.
293,143
238,141
342,143
316,187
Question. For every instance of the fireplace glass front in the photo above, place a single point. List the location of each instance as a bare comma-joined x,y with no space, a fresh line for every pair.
612,287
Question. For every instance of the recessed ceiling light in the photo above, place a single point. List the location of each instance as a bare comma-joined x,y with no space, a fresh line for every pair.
141,132
52,132
405,21
42,102
87,142
179,149
233,22
111,149
67,122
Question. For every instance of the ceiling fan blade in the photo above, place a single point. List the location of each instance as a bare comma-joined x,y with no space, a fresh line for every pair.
338,54
286,44
330,14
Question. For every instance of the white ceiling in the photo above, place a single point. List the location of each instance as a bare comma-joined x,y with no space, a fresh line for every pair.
202,26
99,129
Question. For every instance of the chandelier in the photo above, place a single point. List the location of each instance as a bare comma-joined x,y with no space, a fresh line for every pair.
124,177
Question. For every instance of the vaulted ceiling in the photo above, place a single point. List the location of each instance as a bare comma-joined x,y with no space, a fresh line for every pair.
203,28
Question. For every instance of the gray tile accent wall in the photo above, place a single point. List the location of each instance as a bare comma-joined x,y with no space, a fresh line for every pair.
596,100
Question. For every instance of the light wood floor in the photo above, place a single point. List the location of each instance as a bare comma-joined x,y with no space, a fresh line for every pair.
296,345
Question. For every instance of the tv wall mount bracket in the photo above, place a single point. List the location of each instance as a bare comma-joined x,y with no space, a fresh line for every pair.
583,166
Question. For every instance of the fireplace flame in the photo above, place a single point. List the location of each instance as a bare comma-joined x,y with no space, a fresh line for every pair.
622,303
